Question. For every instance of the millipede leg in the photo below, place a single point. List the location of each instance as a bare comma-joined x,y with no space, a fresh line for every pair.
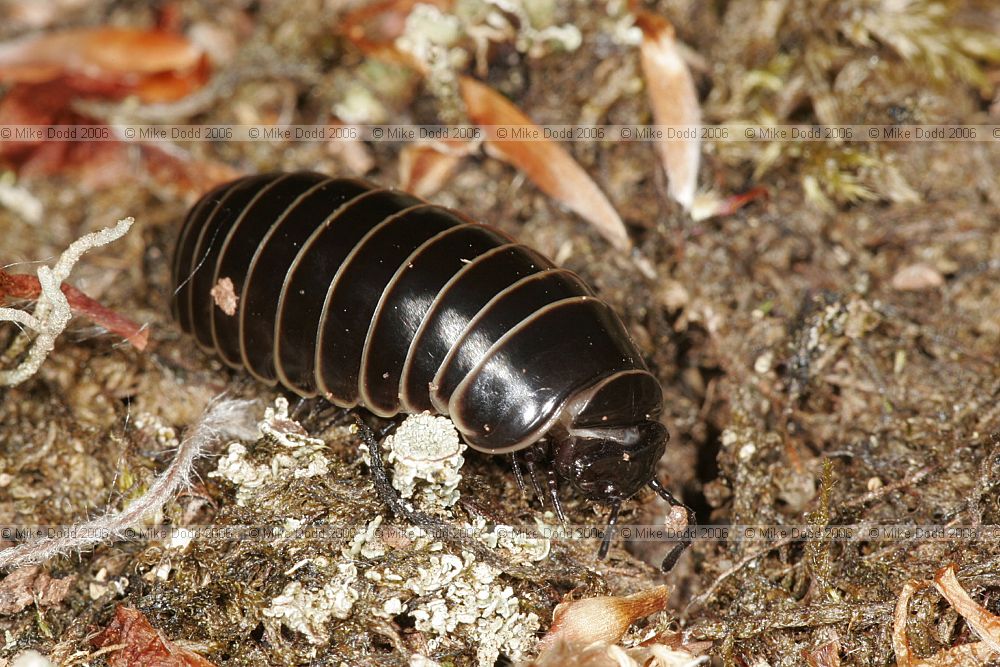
303,408
533,473
383,487
553,482
387,430
609,532
518,475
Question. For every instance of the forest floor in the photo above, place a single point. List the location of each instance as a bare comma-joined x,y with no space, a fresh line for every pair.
828,352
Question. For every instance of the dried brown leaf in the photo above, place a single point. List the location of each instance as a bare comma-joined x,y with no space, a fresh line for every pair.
601,654
595,655
28,585
966,655
143,645
425,168
674,101
545,162
900,640
974,653
155,65
601,619
986,625
354,153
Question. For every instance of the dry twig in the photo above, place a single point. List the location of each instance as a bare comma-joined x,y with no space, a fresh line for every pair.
53,311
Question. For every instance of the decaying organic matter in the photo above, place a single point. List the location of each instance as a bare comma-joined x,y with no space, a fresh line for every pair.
828,353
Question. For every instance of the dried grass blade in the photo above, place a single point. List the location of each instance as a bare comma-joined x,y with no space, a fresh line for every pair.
674,101
545,162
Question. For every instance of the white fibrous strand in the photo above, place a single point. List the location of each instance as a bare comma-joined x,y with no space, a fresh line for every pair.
52,311
224,418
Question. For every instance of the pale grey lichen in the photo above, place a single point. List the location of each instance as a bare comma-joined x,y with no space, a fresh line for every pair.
164,434
426,455
248,477
360,106
517,543
455,595
447,594
366,542
302,456
426,26
434,38
429,37
531,36
462,596
307,610
31,659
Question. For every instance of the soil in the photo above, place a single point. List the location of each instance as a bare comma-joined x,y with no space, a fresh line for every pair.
806,381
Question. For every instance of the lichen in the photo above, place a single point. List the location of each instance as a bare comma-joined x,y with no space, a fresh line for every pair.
307,610
461,596
517,543
301,456
426,456
453,594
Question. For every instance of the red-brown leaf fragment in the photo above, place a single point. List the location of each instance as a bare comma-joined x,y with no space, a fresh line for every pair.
144,645
29,585
986,625
545,162
425,168
158,66
51,71
674,101
22,286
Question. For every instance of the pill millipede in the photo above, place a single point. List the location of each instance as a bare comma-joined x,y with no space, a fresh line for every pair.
372,297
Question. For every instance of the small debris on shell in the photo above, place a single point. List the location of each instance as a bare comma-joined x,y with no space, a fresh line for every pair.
224,296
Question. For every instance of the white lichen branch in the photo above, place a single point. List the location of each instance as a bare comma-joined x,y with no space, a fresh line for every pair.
227,418
52,310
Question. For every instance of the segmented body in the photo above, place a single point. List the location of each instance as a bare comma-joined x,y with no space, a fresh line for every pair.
373,297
